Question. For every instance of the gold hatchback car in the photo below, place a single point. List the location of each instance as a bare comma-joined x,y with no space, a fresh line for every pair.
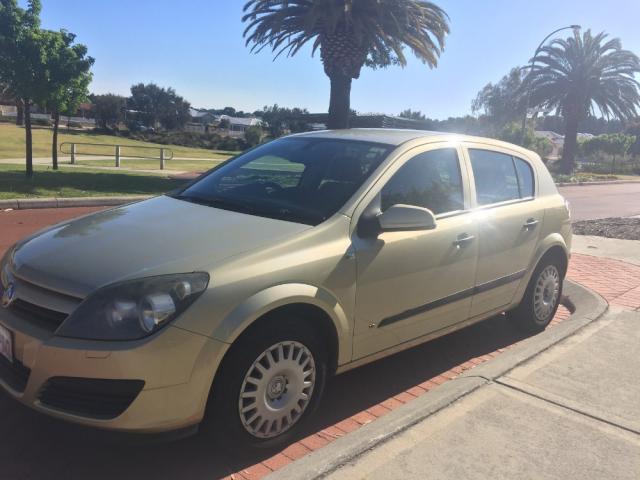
229,302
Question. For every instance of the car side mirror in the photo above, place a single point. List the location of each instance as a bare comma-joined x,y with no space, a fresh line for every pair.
398,218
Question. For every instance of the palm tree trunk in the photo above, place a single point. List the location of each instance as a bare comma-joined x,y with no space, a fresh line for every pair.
570,144
54,143
20,112
340,103
28,137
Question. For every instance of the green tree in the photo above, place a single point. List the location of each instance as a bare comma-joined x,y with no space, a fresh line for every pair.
159,105
614,145
23,61
412,115
108,108
350,35
68,78
503,102
512,133
253,136
633,128
280,119
580,74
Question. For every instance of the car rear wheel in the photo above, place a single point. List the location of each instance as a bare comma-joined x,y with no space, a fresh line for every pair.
269,384
542,297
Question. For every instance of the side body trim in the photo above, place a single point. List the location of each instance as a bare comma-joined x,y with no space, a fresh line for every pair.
452,298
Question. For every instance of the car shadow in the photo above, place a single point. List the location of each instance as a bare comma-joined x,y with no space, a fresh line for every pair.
39,447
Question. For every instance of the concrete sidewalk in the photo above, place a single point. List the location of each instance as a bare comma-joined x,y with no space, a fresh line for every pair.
572,412
624,250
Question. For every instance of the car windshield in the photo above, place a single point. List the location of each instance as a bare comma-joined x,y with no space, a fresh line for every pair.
298,179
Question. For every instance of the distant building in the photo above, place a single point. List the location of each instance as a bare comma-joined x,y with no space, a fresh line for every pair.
8,111
201,116
240,124
557,140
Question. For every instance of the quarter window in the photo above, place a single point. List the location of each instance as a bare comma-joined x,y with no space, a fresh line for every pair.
500,177
431,180
525,177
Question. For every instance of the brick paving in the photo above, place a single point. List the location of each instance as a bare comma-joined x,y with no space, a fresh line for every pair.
616,281
353,399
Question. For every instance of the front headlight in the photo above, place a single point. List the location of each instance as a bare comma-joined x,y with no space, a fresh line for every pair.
134,309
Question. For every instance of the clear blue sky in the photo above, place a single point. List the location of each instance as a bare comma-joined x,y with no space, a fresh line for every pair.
196,46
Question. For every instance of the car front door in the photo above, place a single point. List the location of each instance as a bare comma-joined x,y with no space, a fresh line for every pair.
412,283
508,218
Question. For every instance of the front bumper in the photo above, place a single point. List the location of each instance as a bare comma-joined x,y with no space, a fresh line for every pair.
176,366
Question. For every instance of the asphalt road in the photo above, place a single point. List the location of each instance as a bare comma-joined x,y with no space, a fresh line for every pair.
602,201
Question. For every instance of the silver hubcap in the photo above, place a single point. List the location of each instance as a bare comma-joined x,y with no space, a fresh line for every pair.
277,389
547,291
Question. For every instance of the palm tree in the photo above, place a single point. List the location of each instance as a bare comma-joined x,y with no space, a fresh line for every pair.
583,75
350,35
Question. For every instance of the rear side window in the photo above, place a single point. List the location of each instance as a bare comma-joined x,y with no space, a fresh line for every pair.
431,180
500,177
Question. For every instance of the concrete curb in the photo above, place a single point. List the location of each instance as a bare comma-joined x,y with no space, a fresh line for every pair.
599,182
29,203
589,306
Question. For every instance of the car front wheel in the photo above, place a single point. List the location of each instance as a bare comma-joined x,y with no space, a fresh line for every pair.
269,385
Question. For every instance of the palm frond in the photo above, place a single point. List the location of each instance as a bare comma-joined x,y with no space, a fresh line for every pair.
587,74
349,33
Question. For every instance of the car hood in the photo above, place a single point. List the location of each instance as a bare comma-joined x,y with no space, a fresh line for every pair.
154,237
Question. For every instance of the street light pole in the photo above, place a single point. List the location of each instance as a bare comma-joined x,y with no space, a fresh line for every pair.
532,65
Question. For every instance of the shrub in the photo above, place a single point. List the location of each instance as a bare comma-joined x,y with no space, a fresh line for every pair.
210,141
253,136
41,122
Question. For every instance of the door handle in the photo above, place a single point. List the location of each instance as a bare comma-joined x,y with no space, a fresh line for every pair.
463,240
530,223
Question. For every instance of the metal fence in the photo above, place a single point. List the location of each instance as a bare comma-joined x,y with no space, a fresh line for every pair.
89,149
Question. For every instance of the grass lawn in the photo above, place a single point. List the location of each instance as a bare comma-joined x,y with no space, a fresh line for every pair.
79,182
12,144
143,164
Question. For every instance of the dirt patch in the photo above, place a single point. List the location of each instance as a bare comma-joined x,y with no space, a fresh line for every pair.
623,228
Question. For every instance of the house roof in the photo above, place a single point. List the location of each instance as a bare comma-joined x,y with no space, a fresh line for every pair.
247,122
548,134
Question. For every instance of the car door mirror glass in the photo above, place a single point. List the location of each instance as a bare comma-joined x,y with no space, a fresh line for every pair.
406,217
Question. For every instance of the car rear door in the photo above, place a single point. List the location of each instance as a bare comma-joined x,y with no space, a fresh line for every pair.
508,217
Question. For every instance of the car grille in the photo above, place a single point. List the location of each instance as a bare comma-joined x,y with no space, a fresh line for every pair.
40,306
40,316
15,374
87,397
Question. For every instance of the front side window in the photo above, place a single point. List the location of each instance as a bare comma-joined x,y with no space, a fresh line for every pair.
431,180
299,179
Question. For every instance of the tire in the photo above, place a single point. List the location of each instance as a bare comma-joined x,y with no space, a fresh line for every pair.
542,297
271,365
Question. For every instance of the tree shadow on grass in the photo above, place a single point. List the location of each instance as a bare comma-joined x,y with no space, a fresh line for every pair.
13,183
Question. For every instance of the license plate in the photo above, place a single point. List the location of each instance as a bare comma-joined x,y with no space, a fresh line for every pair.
6,344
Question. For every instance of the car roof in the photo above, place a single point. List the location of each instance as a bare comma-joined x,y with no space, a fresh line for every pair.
397,137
